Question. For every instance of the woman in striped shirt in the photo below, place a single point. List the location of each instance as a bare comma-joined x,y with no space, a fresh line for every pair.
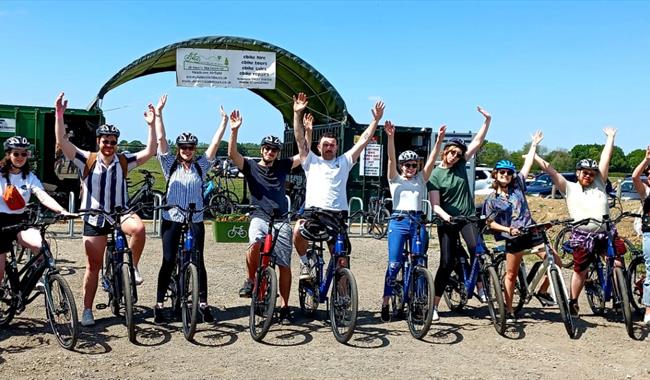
185,173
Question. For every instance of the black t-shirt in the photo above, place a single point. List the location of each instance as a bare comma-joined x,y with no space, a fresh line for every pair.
266,185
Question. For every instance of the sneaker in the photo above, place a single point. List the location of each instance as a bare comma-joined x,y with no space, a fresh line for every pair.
435,316
305,271
158,317
481,295
136,274
545,299
285,316
511,318
87,318
574,308
246,290
206,314
646,319
385,313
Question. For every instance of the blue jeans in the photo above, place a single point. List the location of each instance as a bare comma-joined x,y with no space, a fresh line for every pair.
398,233
646,256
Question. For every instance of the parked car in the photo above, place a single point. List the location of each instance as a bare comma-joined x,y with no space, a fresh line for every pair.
542,186
628,192
482,181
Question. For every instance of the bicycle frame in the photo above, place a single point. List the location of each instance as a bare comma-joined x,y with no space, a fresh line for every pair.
339,258
117,250
606,276
412,257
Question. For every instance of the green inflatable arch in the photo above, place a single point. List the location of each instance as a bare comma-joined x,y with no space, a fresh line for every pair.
293,75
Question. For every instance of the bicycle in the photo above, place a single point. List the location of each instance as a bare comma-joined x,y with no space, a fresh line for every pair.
18,285
117,273
414,283
265,284
343,301
145,194
183,289
636,272
237,231
220,197
296,193
464,277
526,283
377,216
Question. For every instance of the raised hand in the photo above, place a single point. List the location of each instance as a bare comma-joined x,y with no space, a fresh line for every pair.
224,115
483,112
161,104
610,132
235,120
378,110
389,128
441,133
150,113
647,153
308,121
537,137
60,105
300,102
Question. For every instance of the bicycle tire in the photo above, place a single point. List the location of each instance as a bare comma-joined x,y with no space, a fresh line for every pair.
558,244
562,301
636,272
222,205
420,310
623,293
7,297
190,300
594,290
520,292
263,301
113,299
59,302
308,290
455,294
127,296
494,295
397,297
379,225
343,304
232,197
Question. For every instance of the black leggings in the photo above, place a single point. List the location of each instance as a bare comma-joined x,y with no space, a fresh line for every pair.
171,235
448,236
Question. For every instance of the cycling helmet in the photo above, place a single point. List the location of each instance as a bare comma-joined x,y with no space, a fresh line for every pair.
312,230
587,163
186,138
107,130
16,142
271,141
505,164
458,143
408,155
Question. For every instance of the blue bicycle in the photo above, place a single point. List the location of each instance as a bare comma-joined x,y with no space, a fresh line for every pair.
464,278
320,226
414,283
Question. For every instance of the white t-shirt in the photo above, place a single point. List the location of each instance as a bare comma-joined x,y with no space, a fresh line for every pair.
588,202
327,181
26,186
408,194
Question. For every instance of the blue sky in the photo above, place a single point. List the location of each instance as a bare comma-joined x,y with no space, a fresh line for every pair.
568,68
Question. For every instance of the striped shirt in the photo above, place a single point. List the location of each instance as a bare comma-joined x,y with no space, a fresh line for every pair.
105,187
185,186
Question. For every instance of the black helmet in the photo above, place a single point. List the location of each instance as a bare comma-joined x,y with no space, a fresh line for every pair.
186,138
16,142
271,141
457,142
312,230
107,130
587,163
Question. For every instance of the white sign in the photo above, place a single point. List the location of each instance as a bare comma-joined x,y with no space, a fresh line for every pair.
225,68
8,125
370,160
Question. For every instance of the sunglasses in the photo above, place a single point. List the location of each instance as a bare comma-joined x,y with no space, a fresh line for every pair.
455,153
21,154
270,148
109,142
187,147
410,166
506,172
588,173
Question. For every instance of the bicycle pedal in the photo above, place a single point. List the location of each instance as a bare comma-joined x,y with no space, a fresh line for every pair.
101,306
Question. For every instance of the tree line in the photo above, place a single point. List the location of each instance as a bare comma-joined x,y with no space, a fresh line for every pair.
246,149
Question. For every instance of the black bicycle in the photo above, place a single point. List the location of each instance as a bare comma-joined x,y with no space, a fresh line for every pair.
17,288
117,274
217,193
377,215
637,274
145,194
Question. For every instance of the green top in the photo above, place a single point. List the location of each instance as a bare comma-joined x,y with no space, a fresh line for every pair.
453,185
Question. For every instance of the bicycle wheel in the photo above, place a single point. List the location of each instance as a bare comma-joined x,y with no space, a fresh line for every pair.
520,292
623,294
221,204
61,311
190,300
343,304
562,301
455,294
562,248
127,295
594,290
113,300
379,226
232,197
397,298
7,296
420,310
308,291
263,303
494,295
636,273
147,200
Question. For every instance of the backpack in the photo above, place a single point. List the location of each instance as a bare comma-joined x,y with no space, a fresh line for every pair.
92,160
173,169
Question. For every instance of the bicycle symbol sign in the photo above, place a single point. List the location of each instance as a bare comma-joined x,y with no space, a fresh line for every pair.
237,231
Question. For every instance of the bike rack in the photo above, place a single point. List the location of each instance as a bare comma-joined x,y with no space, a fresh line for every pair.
157,215
361,219
71,210
427,208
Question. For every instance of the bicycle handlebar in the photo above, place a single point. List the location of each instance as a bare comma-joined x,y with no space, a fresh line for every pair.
545,225
111,217
39,222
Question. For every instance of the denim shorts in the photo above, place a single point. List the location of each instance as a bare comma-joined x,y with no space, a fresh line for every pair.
283,245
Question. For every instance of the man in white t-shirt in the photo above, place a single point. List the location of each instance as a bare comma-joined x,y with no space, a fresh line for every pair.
327,174
586,198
